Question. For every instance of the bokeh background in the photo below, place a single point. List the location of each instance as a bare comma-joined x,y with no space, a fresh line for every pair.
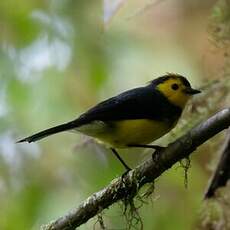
58,58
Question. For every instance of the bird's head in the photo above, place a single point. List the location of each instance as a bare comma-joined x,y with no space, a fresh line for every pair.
175,88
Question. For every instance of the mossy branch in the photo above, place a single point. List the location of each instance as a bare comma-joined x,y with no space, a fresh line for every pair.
147,172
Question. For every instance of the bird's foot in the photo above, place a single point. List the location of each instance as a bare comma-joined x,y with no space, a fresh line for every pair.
156,154
125,174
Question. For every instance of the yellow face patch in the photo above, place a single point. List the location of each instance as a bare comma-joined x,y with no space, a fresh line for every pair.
174,90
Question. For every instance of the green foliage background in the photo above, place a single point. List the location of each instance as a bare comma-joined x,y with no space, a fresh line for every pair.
58,58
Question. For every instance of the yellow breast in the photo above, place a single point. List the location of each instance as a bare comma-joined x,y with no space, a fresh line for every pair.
120,134
140,131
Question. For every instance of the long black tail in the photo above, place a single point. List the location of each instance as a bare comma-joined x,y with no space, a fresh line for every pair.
50,131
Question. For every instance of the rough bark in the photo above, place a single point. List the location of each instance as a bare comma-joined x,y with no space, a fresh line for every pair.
222,172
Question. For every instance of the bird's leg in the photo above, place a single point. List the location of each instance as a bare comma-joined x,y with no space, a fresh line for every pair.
156,147
122,161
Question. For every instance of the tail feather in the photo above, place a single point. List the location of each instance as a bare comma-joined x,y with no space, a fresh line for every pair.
50,131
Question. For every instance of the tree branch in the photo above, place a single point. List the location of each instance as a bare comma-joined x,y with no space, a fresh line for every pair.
222,172
146,172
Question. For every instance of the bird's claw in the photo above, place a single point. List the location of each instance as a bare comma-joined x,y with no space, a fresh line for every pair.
156,154
124,174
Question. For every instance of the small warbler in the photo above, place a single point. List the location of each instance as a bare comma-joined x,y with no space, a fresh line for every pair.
133,118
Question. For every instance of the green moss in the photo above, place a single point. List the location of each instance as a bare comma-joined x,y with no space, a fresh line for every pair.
220,23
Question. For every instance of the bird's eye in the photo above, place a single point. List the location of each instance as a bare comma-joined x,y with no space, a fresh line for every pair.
175,86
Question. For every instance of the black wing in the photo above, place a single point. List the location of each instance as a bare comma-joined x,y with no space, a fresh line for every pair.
139,103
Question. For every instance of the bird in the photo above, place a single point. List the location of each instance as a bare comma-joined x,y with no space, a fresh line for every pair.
134,118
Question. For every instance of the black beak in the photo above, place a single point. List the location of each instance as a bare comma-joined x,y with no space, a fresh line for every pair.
192,91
